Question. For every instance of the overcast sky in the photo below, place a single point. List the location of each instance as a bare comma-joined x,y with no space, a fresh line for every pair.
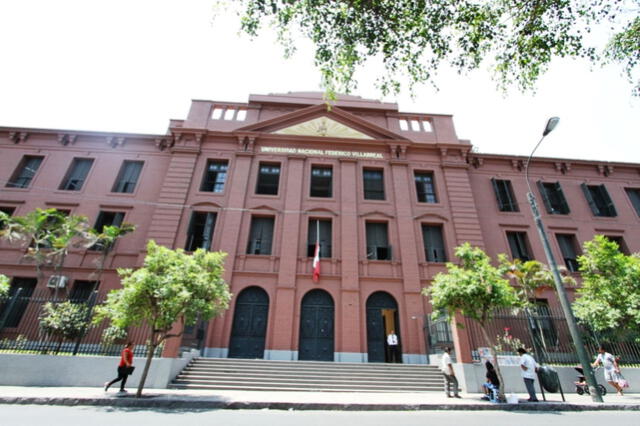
130,66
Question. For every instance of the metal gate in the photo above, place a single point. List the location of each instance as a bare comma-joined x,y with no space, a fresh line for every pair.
249,324
316,327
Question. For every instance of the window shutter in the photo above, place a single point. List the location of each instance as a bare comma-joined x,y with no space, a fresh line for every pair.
497,191
545,197
611,209
590,200
563,200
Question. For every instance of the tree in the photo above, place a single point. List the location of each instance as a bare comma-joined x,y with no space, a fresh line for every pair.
529,276
609,298
415,38
475,289
48,235
105,240
64,321
170,287
4,285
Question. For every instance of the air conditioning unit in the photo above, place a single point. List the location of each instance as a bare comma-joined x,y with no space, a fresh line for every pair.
59,281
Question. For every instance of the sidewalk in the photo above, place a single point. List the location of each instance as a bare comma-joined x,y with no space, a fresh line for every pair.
215,399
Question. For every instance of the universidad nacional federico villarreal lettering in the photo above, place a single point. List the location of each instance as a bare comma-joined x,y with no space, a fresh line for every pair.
320,152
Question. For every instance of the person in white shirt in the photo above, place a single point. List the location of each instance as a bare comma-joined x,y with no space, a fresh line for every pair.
392,343
450,380
611,368
528,366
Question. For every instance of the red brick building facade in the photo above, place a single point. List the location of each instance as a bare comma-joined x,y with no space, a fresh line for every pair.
386,194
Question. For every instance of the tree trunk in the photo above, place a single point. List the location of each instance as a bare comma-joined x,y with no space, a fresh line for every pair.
494,354
151,347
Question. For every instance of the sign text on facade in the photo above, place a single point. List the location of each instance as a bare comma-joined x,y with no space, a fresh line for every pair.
320,152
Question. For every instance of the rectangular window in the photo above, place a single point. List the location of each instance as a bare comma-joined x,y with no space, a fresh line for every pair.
215,175
434,250
260,236
599,200
268,179
378,247
425,188
25,172
634,196
373,184
622,246
128,177
81,291
76,174
519,245
14,315
321,181
325,237
200,234
567,243
106,219
504,194
553,197
9,211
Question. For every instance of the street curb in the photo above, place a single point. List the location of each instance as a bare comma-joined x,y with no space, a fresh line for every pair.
183,403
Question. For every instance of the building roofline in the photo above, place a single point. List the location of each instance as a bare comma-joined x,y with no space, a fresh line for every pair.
81,132
510,157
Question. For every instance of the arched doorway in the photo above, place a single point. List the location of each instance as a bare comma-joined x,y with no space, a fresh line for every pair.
316,327
249,324
382,317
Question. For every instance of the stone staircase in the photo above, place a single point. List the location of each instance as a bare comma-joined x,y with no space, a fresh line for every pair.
261,375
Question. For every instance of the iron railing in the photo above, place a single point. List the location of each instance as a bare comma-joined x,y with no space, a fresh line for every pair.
21,330
545,331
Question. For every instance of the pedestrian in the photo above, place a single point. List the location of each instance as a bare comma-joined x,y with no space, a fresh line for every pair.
392,343
450,380
125,368
529,367
611,368
492,386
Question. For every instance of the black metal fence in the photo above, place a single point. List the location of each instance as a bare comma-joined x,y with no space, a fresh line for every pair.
22,329
545,331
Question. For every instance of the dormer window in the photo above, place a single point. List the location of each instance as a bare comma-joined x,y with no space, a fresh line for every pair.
411,124
229,113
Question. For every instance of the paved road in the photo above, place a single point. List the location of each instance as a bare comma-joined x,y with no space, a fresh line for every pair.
36,415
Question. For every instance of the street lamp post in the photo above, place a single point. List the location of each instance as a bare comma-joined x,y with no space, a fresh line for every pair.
562,295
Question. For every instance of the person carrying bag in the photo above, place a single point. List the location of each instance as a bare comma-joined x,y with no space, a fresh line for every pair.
125,368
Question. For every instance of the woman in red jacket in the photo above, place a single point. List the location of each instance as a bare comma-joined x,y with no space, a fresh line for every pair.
125,368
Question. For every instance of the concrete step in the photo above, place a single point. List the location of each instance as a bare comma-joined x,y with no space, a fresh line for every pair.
241,374
296,389
301,379
197,369
293,375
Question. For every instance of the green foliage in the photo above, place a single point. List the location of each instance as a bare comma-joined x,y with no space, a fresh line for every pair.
4,285
624,47
105,240
475,288
506,342
171,286
518,39
610,295
529,275
112,335
49,235
64,320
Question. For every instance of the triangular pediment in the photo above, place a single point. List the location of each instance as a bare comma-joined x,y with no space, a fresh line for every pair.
320,121
325,127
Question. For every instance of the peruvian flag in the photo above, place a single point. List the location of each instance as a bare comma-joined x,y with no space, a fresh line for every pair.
316,262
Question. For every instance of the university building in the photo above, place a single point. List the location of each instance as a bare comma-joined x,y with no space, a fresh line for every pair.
387,194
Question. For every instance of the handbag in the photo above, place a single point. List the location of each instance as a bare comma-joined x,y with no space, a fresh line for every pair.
129,370
623,383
